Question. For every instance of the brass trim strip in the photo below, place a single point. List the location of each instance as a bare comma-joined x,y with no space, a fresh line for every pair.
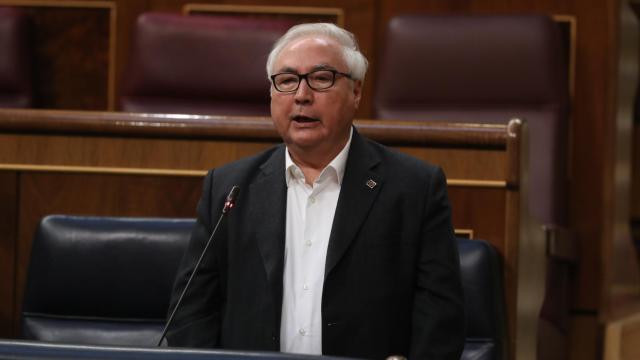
468,233
72,3
498,184
111,7
177,172
267,9
102,170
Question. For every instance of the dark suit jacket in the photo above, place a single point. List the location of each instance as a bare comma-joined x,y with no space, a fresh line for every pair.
392,282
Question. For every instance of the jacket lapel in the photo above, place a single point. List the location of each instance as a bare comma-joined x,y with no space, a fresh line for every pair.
360,187
268,213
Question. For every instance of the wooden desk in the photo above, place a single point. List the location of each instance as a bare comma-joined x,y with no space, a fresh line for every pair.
108,163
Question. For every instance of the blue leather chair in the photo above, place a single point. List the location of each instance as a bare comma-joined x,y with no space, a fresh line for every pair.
101,280
483,300
107,281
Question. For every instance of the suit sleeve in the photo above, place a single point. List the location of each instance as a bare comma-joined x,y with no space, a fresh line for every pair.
438,310
197,321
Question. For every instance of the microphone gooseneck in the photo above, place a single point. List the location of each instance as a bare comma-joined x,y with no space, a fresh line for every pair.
229,203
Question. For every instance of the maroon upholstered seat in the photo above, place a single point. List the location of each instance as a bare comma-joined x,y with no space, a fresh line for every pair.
200,64
491,69
15,62
485,69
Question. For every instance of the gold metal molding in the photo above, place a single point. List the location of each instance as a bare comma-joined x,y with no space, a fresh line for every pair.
102,170
465,233
60,3
530,265
497,184
177,172
338,13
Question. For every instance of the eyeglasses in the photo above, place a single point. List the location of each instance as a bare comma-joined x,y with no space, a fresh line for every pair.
317,80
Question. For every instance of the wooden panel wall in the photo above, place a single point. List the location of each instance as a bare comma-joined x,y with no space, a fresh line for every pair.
78,68
128,165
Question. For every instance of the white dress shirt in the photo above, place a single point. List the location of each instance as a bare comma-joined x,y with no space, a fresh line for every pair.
310,211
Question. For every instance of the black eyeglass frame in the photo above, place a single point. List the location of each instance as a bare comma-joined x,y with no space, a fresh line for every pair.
305,77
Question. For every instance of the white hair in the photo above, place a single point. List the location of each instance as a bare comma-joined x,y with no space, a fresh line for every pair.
356,62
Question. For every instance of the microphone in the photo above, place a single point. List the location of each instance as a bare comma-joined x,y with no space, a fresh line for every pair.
229,203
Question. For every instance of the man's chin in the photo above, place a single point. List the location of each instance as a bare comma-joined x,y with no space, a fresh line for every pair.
305,140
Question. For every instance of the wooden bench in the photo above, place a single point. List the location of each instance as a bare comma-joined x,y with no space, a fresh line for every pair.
123,164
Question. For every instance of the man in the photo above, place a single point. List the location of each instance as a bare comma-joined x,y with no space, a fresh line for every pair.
337,245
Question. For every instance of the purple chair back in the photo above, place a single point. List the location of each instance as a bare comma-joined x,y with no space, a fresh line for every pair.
485,69
15,62
200,64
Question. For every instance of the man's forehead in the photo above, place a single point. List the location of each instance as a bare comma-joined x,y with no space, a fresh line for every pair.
310,40
311,52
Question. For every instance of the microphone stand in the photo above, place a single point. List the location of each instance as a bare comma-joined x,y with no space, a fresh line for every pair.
228,205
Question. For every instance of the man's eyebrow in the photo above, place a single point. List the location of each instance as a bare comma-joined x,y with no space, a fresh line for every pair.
322,67
287,69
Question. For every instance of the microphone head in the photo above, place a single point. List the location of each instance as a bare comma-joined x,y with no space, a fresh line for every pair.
230,201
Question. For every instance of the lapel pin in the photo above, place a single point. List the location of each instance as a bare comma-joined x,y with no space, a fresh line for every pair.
371,184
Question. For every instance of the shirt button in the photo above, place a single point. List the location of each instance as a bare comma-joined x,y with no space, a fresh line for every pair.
305,286
312,200
308,243
302,331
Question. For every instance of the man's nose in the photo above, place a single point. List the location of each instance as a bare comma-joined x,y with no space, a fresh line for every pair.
304,94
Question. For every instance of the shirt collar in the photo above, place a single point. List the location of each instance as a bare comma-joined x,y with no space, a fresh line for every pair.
338,164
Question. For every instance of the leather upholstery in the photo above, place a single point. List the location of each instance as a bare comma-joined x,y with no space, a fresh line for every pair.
483,300
200,64
15,63
485,69
100,280
107,281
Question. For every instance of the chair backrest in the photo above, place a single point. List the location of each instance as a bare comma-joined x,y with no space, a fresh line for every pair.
200,64
102,280
108,281
15,60
483,301
485,68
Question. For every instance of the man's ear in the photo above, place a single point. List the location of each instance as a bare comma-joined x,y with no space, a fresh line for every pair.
357,92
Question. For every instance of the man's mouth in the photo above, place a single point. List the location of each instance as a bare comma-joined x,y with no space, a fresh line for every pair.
303,119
